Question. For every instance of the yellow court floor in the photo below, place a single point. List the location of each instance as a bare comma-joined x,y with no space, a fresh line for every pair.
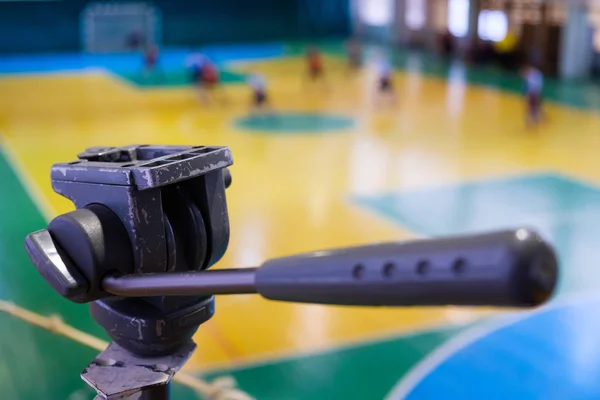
292,191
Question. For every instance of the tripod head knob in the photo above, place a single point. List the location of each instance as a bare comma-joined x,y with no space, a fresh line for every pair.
139,209
78,249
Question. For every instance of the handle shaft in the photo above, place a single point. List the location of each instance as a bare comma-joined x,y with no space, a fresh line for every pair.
200,283
509,268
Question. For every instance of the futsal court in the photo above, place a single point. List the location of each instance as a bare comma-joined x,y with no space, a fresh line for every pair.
328,166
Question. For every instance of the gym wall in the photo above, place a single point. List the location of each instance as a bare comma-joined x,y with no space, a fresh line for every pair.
55,26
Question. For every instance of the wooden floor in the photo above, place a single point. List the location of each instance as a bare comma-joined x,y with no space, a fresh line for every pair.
297,191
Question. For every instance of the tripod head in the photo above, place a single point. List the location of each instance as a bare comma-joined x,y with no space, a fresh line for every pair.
150,220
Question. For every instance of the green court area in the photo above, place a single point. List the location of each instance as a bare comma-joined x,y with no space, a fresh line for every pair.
175,77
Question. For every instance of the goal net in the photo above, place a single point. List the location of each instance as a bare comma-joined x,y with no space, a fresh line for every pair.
109,27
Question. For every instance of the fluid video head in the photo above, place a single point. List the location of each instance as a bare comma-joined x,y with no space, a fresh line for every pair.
150,220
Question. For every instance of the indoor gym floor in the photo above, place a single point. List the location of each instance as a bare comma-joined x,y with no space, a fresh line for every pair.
331,168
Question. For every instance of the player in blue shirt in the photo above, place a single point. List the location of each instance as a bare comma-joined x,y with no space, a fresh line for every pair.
258,83
534,85
385,85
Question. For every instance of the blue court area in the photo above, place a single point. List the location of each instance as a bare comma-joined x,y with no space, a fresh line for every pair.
552,354
294,123
545,356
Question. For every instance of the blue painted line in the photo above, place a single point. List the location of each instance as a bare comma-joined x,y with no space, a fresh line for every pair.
170,59
550,355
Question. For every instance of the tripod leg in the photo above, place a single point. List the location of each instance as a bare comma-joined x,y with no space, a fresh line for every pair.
156,393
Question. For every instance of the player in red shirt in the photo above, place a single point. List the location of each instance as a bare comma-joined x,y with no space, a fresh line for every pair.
209,81
151,58
315,63
210,75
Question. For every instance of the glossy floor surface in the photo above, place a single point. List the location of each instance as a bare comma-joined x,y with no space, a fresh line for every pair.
334,166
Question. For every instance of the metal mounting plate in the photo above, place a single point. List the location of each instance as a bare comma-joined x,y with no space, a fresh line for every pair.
142,166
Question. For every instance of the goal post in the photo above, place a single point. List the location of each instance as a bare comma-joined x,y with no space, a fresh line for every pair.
110,27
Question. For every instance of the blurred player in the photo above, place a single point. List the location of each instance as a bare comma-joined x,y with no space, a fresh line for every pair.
534,85
135,40
209,75
209,83
385,86
354,54
195,65
314,63
260,101
152,66
151,60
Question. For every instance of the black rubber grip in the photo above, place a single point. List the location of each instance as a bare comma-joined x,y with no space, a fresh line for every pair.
509,268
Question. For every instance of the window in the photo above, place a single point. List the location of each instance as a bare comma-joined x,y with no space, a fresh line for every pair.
376,12
414,15
493,25
458,17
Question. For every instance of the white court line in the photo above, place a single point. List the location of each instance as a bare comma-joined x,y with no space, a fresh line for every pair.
25,179
461,341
